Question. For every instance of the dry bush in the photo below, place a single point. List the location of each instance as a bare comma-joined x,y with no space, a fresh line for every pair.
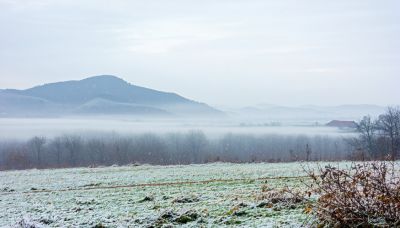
285,197
366,194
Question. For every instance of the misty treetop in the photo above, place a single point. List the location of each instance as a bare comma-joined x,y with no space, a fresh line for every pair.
192,147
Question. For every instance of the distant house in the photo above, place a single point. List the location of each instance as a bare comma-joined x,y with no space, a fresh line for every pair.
342,124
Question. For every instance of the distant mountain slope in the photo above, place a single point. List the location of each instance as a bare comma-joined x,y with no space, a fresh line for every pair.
105,86
266,112
17,105
105,94
102,106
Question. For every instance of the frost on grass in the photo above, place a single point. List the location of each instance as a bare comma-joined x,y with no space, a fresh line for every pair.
170,217
186,199
285,197
28,223
89,197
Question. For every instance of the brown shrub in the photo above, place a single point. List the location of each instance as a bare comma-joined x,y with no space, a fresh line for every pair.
366,194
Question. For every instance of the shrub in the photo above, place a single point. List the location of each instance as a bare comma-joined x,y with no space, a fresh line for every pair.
366,194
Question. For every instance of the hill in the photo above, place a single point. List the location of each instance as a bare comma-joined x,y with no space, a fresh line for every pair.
105,94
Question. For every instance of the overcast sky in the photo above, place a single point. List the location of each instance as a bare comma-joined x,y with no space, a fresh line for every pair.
221,52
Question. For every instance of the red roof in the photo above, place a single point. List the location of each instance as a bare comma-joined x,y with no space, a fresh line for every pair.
342,123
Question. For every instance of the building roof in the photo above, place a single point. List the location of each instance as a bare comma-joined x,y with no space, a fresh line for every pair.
342,124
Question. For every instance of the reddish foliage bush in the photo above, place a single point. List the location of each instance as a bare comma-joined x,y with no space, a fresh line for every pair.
365,195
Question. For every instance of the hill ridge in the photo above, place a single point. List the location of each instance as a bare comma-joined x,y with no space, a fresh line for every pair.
74,93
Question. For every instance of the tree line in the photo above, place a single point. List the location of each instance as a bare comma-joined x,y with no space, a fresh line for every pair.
377,139
165,149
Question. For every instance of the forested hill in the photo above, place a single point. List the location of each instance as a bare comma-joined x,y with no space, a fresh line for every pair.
103,94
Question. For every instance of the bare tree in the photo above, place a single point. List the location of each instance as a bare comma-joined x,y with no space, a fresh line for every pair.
56,145
73,144
36,144
308,152
196,142
389,125
96,148
367,130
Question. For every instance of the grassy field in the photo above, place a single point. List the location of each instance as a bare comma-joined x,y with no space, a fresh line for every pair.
211,195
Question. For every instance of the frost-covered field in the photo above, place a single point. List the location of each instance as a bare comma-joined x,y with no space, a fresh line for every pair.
149,196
